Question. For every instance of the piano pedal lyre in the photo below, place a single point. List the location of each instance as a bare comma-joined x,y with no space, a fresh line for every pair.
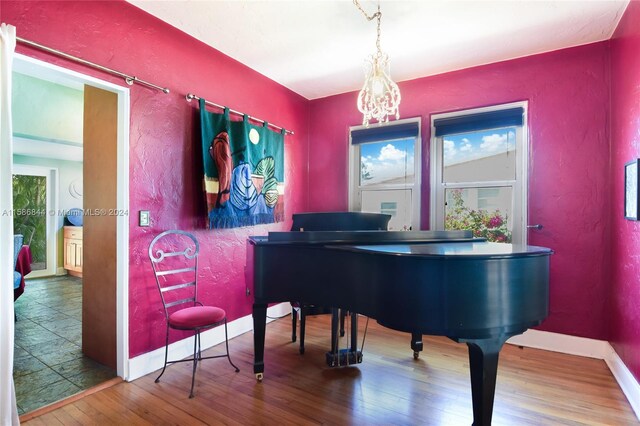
343,358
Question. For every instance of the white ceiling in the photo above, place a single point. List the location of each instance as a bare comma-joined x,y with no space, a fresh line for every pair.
317,47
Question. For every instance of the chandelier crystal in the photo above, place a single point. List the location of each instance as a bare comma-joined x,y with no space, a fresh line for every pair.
380,96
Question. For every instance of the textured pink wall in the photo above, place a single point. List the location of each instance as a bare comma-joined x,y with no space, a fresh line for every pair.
569,168
568,94
625,146
163,136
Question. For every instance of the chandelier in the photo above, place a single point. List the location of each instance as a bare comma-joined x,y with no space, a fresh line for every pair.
380,96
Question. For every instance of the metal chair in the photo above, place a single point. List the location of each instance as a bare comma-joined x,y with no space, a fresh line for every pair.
174,257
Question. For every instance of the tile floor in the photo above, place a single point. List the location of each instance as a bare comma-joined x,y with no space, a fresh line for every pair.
49,364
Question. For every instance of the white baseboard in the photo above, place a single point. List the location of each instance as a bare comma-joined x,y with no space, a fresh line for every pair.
154,360
564,343
625,379
590,348
61,271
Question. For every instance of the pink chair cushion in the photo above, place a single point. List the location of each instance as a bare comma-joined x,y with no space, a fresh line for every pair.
196,316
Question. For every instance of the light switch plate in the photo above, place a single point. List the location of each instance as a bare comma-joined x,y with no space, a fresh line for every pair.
144,218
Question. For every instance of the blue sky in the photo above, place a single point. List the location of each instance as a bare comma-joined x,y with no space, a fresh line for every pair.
389,159
471,146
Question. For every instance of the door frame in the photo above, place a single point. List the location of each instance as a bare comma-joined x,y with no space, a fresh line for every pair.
52,188
38,68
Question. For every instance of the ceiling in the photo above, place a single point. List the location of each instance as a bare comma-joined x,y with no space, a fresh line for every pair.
317,47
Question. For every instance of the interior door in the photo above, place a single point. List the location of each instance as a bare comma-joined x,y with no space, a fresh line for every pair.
99,337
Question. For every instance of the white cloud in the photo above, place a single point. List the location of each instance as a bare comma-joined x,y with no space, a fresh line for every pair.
466,147
494,142
449,148
391,153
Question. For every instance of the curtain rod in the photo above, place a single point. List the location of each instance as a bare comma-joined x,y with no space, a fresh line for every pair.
127,78
191,96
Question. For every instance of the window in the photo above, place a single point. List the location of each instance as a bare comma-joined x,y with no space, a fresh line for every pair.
384,172
35,207
479,172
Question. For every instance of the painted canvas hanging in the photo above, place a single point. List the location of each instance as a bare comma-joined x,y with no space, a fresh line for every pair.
243,171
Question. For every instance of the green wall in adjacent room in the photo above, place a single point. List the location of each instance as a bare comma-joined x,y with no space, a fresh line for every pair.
46,110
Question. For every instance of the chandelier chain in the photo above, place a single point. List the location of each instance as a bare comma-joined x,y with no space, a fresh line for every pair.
380,95
378,16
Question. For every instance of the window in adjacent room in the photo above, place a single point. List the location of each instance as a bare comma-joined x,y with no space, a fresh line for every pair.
384,172
479,172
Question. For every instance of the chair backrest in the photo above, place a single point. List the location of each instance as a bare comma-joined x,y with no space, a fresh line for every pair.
174,257
17,245
340,221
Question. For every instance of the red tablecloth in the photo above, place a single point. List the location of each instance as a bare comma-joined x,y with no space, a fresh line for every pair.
23,265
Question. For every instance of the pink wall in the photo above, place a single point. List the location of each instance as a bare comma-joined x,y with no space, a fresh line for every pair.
624,331
568,94
163,136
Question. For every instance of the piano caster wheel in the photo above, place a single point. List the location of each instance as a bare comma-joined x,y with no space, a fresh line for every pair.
301,351
416,354
259,376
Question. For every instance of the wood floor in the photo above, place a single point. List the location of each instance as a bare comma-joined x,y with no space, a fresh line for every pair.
534,387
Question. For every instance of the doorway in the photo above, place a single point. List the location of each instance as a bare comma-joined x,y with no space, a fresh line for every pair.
119,283
34,199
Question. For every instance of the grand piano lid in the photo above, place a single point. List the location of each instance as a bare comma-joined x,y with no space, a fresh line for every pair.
453,250
361,237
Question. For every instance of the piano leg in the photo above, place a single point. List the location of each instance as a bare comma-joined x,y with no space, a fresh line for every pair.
303,325
294,322
416,344
354,331
259,328
334,330
483,360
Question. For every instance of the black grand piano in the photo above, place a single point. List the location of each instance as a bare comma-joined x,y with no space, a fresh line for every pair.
421,282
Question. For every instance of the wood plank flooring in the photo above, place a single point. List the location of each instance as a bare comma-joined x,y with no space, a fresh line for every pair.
534,387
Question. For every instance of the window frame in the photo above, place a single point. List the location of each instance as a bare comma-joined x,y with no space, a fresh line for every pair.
355,189
519,185
53,220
